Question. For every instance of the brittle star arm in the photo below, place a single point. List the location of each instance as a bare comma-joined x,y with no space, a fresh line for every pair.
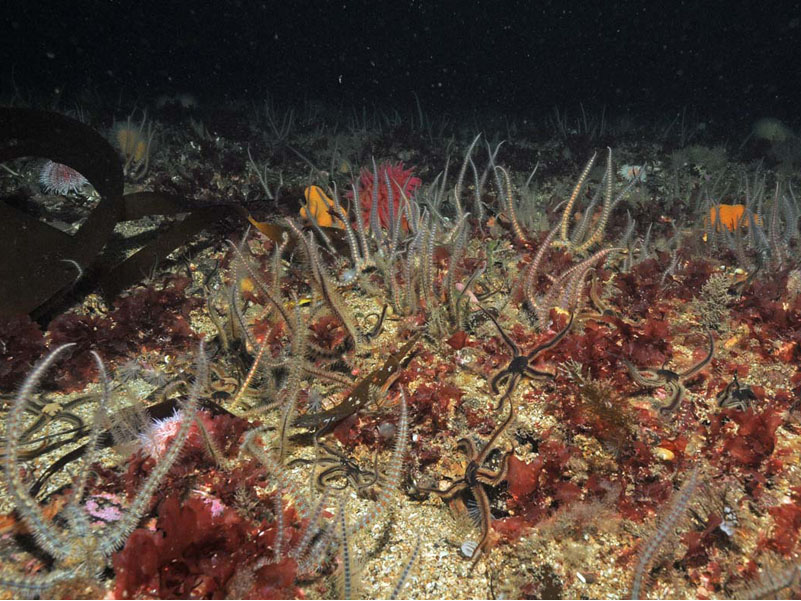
724,394
483,503
512,372
677,391
466,446
325,478
641,376
453,490
475,477
482,456
553,341
491,478
665,378
509,342
485,476
701,364
505,375
535,373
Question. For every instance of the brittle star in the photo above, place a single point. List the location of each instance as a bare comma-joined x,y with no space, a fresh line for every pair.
520,365
736,396
342,468
476,477
670,380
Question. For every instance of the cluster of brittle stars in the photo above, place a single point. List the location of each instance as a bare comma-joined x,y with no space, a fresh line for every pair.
476,476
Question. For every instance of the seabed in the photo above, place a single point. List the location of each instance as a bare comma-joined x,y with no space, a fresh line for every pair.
589,331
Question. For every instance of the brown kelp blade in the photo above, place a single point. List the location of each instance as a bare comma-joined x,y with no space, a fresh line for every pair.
39,261
114,278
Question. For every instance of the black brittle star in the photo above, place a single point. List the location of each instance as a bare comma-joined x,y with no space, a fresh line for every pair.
668,379
736,396
520,365
476,476
340,470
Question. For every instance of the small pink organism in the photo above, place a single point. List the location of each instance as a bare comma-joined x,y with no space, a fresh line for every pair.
60,179
401,180
104,507
158,434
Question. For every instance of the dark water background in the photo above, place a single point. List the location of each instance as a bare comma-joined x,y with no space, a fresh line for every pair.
732,60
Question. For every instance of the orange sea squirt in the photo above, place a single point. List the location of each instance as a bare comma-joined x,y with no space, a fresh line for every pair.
730,216
320,208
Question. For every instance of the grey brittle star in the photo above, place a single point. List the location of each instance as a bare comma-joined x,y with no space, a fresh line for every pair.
668,379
